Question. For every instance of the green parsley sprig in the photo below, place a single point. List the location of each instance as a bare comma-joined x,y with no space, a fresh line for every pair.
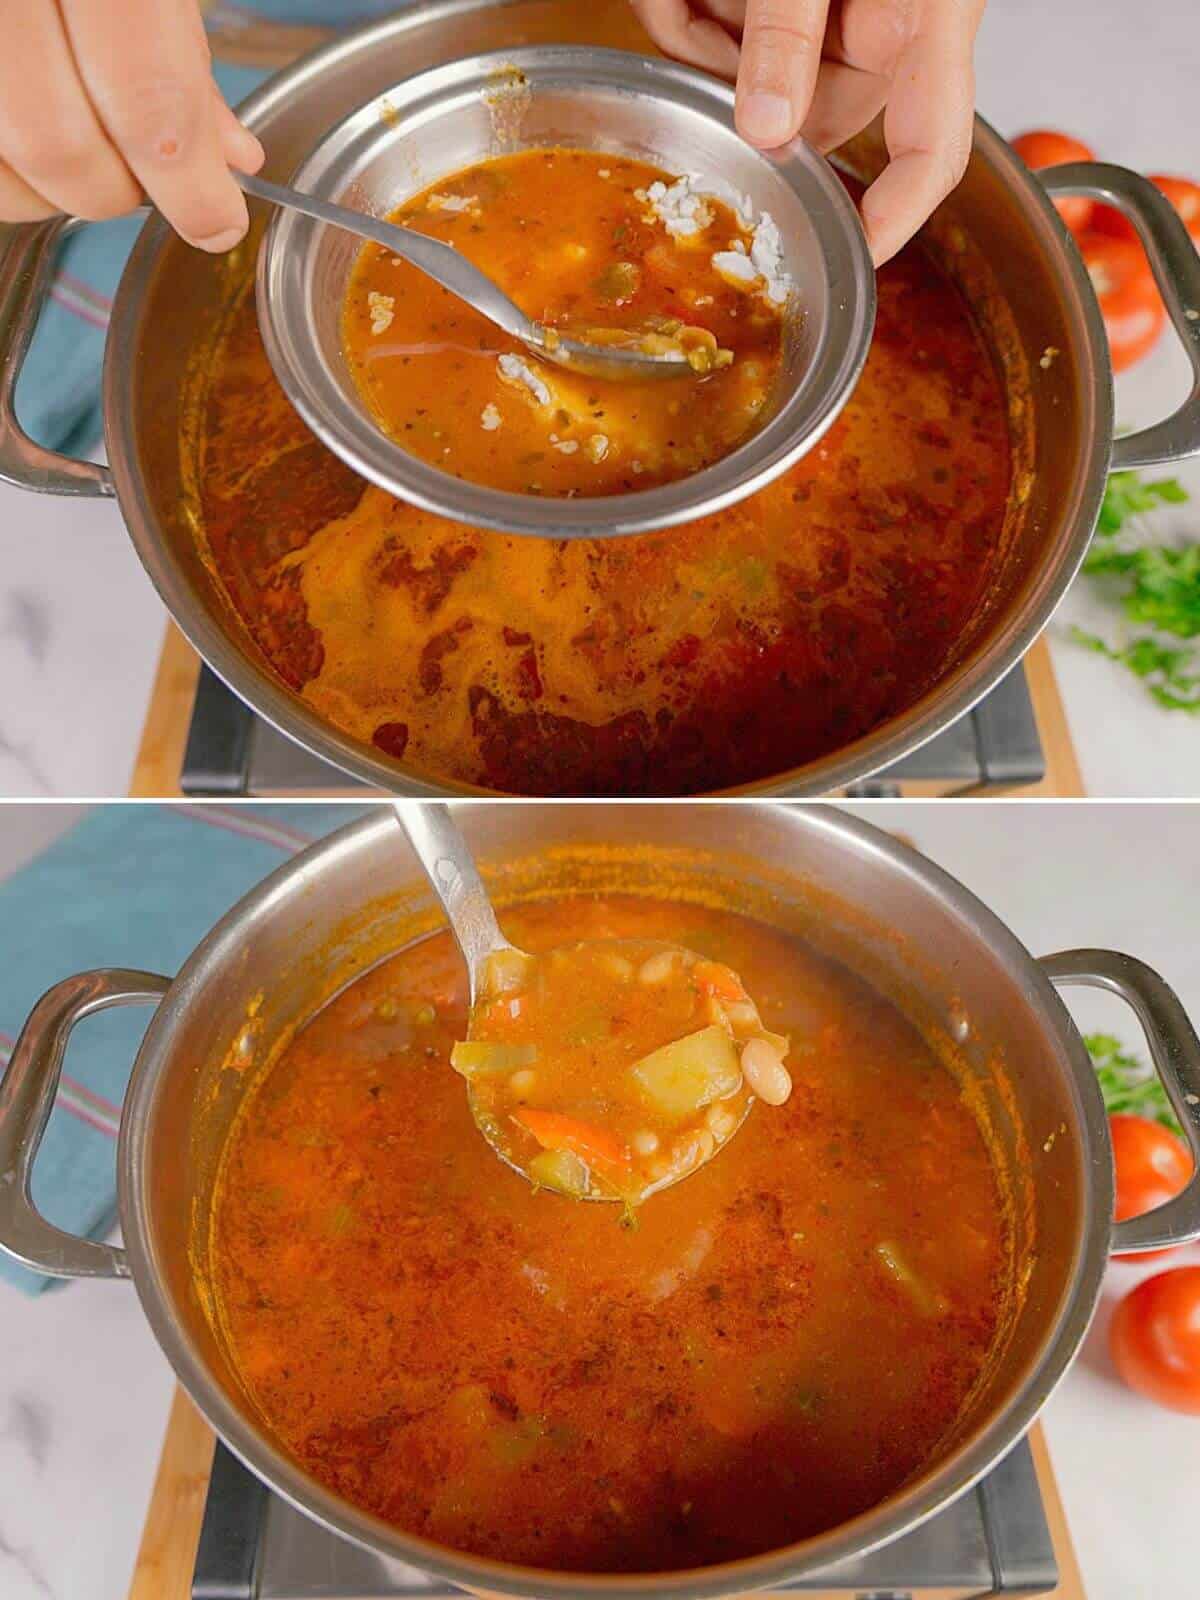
1127,1084
1159,590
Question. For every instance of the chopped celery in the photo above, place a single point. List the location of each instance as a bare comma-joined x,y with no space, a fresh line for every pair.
476,1058
505,971
690,1072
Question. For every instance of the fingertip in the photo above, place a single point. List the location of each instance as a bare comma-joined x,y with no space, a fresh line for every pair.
765,119
227,238
254,156
885,236
242,149
218,243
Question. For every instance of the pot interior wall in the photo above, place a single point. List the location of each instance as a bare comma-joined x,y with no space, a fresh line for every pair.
151,366
999,252
356,897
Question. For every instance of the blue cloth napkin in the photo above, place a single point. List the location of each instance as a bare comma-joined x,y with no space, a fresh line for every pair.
58,395
129,886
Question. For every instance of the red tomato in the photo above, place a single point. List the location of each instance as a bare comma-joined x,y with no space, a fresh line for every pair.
1129,298
1155,1338
1045,147
1152,1167
1183,194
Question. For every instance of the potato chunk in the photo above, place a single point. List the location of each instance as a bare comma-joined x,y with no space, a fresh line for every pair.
690,1073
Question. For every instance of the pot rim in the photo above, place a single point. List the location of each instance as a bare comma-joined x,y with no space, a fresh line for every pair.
924,1498
952,697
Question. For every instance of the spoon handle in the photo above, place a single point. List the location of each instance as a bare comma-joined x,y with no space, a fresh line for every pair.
450,867
439,261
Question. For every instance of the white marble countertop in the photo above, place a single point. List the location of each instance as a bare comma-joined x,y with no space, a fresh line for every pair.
80,626
84,1389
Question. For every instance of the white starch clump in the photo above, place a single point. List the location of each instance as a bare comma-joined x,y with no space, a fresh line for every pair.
766,252
761,270
380,309
453,202
489,418
683,211
736,269
517,372
680,209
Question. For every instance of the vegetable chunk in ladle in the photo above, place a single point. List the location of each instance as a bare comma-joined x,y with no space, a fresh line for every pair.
603,1070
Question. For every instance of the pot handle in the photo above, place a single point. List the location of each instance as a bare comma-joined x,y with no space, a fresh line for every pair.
1175,1051
27,257
27,1093
1175,261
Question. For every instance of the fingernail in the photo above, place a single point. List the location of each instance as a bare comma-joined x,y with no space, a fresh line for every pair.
766,118
218,243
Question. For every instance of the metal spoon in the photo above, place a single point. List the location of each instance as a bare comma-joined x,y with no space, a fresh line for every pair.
445,265
447,862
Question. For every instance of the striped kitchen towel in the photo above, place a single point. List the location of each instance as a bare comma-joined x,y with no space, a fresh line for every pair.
129,886
58,395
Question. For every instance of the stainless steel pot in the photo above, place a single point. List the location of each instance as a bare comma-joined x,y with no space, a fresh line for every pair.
169,294
857,893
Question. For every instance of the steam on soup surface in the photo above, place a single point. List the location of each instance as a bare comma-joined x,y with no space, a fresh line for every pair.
781,1341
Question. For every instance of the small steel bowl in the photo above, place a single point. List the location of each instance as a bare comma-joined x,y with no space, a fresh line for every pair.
440,121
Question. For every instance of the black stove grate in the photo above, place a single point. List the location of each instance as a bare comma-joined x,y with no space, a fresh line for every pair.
232,751
993,1540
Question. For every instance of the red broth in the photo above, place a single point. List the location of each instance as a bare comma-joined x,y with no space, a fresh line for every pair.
714,654
782,1341
572,237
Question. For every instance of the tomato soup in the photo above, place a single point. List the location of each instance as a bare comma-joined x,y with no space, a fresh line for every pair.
713,654
783,1339
594,247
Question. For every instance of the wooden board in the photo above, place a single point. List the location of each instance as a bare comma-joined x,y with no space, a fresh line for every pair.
159,760
164,734
172,1529
171,1532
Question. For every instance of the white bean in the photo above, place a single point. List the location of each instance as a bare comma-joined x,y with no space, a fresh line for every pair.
522,1082
644,1142
616,966
658,967
765,1072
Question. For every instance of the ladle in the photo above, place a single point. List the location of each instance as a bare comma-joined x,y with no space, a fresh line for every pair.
447,862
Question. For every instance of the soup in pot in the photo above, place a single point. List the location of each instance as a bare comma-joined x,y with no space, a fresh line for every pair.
780,1342
713,654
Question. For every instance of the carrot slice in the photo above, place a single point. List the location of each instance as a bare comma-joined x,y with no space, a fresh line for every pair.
554,1131
715,978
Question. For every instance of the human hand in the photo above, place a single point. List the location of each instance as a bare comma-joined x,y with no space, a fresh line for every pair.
826,68
103,102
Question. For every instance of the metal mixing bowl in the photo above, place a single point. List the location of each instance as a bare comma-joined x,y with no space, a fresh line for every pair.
453,116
